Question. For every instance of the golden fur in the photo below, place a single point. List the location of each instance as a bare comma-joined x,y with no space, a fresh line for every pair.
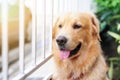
88,63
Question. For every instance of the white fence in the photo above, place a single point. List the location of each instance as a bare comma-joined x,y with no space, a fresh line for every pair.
43,12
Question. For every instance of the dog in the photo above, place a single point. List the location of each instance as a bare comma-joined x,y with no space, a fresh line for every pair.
76,48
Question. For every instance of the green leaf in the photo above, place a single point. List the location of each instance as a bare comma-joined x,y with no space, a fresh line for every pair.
114,59
116,36
102,27
118,41
105,15
118,27
115,17
110,72
118,49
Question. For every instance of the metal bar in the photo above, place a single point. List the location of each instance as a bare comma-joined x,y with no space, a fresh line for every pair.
63,6
44,28
66,3
5,39
69,7
34,33
32,69
78,5
58,6
52,25
72,6
52,11
21,36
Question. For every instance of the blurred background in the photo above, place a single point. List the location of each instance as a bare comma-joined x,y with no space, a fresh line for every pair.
107,11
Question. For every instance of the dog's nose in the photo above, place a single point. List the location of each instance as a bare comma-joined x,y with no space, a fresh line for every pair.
61,40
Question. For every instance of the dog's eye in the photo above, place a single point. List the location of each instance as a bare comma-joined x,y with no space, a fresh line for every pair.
60,26
76,26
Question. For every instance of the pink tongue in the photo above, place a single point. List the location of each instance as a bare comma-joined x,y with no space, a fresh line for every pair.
64,54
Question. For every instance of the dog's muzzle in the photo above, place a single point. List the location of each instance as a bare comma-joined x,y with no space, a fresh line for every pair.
64,52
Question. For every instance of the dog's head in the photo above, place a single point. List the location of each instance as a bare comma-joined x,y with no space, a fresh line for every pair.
71,32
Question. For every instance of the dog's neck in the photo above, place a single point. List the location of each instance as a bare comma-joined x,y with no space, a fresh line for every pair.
82,74
71,76
89,63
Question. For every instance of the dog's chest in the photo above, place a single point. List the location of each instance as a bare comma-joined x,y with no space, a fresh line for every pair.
71,71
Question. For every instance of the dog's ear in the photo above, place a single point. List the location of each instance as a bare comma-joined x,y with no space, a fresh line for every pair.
54,28
95,27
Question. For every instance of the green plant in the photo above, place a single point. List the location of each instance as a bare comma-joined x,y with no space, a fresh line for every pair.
115,61
108,12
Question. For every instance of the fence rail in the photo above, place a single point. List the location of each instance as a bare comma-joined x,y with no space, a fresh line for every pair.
5,39
43,12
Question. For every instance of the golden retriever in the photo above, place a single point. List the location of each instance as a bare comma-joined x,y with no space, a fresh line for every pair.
76,48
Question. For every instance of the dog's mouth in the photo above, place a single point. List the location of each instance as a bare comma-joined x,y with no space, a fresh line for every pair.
64,54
